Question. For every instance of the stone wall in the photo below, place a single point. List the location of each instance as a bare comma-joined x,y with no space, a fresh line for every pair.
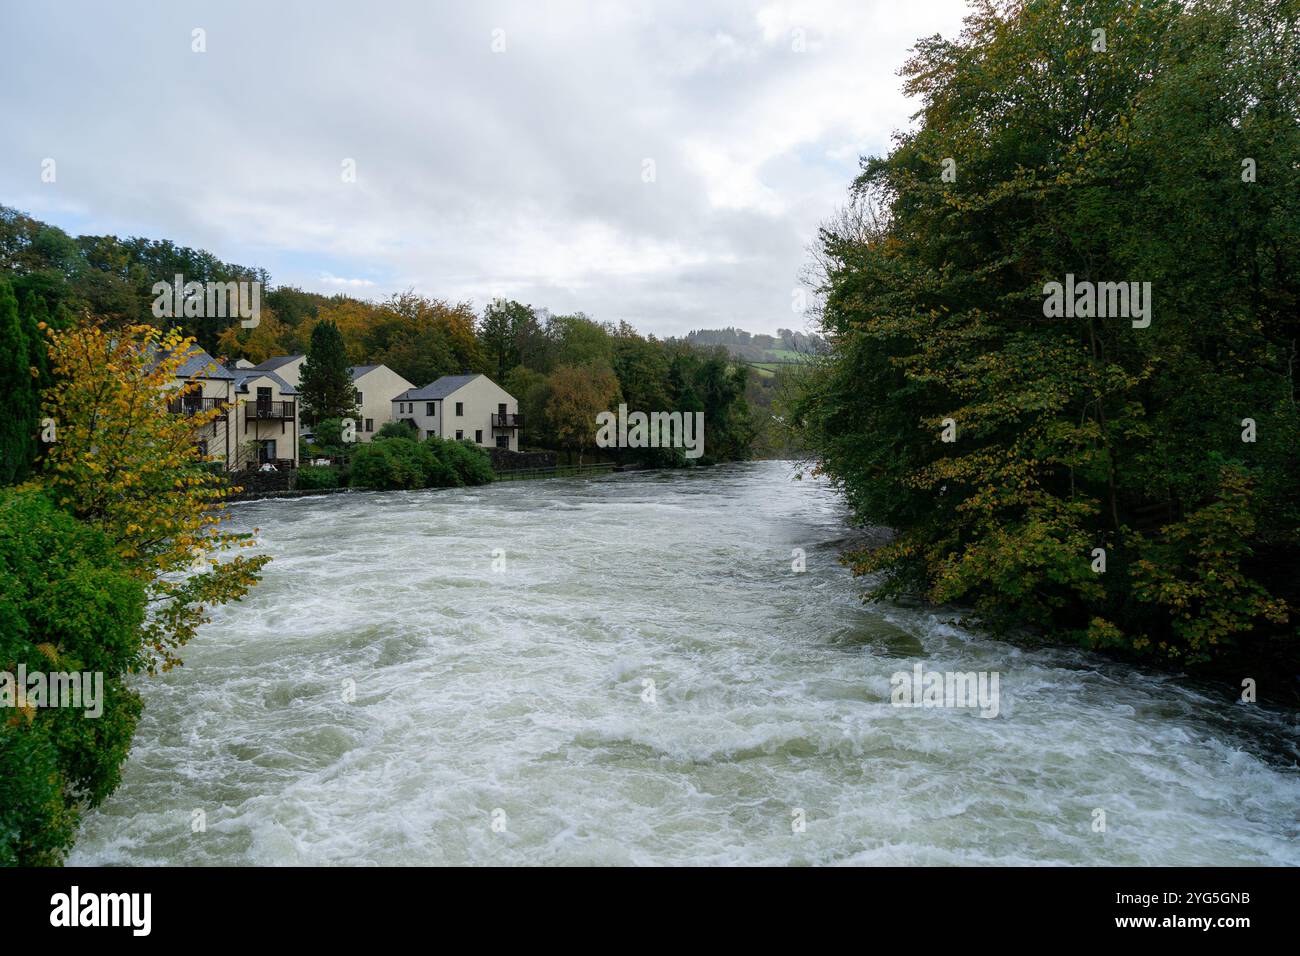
505,460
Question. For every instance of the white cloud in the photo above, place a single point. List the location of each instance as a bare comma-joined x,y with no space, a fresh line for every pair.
478,173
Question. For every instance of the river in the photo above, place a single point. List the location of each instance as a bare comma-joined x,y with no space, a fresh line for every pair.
627,670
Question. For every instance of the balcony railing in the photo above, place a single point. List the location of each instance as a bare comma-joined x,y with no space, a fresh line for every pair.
507,421
187,405
270,411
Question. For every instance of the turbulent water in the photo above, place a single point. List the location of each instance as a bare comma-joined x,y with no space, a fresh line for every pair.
627,670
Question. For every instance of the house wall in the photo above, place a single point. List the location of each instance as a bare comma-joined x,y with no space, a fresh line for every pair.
427,423
291,372
216,435
377,388
284,433
481,398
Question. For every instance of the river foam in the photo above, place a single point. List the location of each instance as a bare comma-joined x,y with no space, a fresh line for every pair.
387,693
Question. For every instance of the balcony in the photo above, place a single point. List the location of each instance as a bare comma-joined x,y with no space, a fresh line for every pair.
507,421
195,405
270,411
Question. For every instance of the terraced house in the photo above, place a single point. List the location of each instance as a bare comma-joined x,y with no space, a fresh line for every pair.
258,424
375,384
470,407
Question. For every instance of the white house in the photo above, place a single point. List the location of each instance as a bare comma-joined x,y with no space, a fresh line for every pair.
375,384
469,407
376,387
258,423
266,407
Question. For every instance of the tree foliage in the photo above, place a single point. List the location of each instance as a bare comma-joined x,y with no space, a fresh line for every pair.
127,466
69,604
1074,434
325,385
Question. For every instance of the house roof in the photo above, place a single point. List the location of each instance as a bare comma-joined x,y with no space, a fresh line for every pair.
277,361
359,370
436,390
245,375
199,364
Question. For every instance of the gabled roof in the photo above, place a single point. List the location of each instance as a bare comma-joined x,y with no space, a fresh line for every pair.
199,364
436,390
245,375
359,370
277,361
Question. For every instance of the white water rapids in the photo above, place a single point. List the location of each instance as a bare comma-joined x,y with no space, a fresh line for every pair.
503,716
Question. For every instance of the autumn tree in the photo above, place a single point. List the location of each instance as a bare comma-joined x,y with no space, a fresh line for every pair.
125,464
256,344
576,396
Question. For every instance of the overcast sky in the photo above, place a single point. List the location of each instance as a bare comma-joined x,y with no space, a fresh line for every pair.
500,149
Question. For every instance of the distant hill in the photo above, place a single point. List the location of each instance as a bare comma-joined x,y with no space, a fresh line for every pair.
785,346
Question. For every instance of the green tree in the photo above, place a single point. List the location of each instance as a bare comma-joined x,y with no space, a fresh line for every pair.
1005,444
499,329
18,390
325,386
67,604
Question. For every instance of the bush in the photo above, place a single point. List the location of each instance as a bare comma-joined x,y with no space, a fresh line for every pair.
403,428
392,464
467,462
395,462
67,604
311,477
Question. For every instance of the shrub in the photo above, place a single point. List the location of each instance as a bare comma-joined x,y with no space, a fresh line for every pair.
391,464
467,462
403,428
311,477
396,462
67,603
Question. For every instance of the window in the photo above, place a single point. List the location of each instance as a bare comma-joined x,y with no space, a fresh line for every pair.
370,424
460,409
460,435
428,408
266,450
478,437
501,410
429,433
360,401
503,441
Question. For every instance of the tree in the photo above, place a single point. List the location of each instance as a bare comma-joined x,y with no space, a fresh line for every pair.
577,396
532,390
257,344
498,331
1006,444
18,381
325,386
127,466
67,603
